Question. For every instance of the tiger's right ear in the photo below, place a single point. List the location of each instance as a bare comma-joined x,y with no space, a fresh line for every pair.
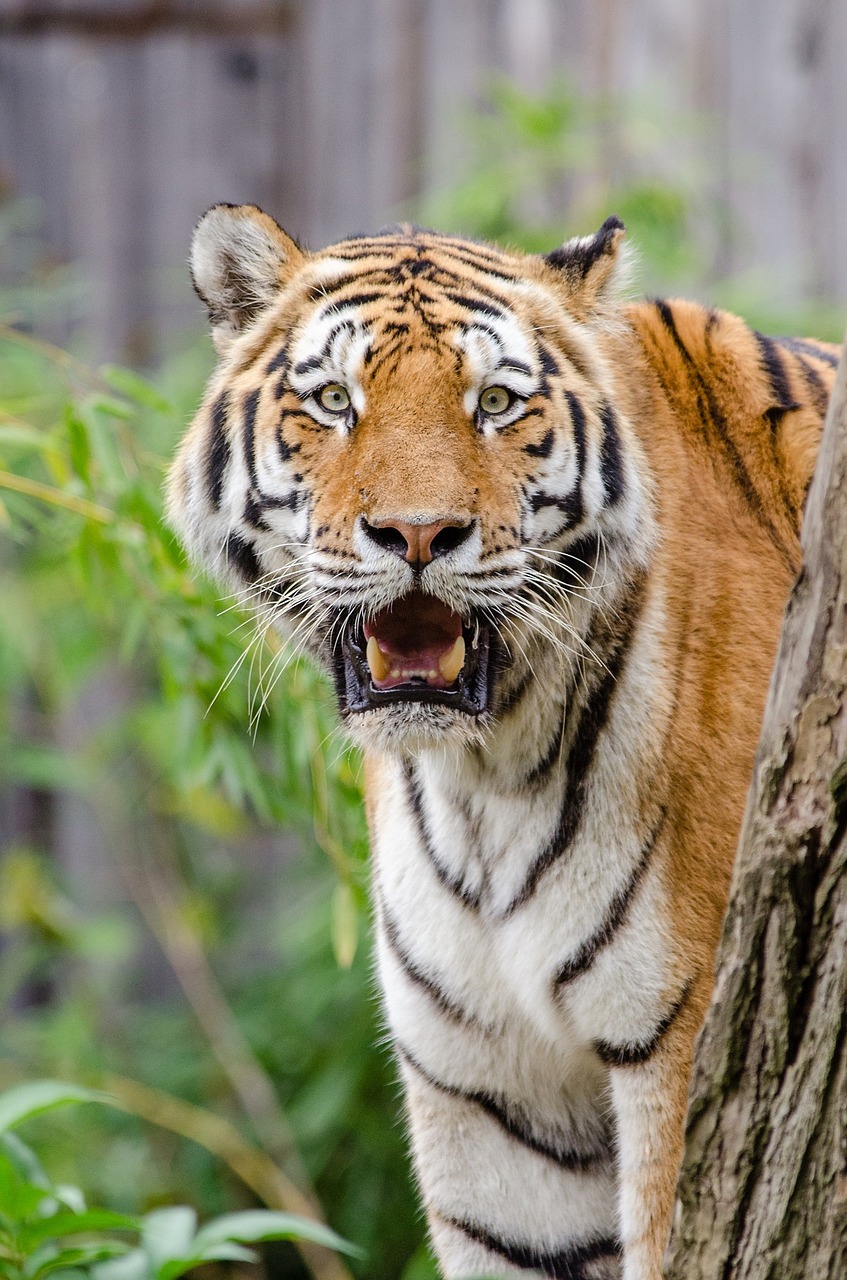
239,259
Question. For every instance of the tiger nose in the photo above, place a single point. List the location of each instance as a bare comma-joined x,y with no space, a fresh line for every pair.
419,544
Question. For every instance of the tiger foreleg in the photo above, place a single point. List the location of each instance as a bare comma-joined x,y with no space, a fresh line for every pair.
498,1202
649,1093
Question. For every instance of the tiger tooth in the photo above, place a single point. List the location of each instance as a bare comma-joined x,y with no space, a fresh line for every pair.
451,663
376,661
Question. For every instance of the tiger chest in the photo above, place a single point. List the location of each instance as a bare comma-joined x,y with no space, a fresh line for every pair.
483,984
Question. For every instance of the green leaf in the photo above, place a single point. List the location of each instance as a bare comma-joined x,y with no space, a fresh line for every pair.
226,1252
24,1101
68,1224
48,1259
345,925
135,387
25,1161
113,408
168,1235
217,1253
79,445
29,437
70,1197
266,1224
134,1265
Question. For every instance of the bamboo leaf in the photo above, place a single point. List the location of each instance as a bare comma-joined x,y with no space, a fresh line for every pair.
265,1224
24,1101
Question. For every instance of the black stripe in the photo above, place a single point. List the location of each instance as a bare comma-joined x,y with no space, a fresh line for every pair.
578,418
219,450
317,360
776,373
474,304
551,757
470,897
241,555
818,389
415,974
513,1125
571,504
251,404
252,513
809,348
359,299
616,914
278,362
547,360
294,500
492,333
591,723
286,450
544,448
611,460
636,1052
578,561
580,255
516,694
564,1264
714,417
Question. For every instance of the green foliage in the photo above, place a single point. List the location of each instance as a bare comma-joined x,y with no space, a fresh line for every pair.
543,167
47,1229
125,696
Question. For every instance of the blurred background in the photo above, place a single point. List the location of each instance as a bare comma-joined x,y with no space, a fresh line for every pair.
183,909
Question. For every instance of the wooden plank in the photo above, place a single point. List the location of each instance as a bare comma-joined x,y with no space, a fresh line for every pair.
135,19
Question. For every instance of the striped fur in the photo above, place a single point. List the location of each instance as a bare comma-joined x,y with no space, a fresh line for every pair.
549,877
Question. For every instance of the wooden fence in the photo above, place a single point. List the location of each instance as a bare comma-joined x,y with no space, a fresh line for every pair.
128,118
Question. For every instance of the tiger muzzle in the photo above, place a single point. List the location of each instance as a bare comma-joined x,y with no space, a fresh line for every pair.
417,650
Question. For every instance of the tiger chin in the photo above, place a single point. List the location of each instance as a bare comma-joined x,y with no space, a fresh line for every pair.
541,539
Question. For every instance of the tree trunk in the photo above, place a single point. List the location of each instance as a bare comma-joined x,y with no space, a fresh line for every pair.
763,1187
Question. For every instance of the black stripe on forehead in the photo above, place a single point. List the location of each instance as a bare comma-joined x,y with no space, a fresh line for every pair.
421,255
315,361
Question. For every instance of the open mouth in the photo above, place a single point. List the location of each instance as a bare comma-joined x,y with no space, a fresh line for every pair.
418,650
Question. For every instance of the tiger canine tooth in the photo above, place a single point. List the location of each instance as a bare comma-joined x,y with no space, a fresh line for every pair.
452,662
376,661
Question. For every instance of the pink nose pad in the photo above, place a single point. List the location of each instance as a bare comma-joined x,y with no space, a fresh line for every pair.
419,539
418,544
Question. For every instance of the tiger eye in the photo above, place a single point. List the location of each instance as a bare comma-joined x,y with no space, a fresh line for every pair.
334,397
494,400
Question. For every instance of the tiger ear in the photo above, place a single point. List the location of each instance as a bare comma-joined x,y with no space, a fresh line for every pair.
239,258
591,266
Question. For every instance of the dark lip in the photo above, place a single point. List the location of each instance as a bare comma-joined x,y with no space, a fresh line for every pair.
471,693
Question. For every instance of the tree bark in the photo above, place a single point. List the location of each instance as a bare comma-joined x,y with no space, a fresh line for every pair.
763,1186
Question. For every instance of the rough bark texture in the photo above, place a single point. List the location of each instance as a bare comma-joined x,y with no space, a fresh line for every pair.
763,1188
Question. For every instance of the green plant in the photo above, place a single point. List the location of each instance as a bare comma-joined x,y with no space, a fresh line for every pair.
261,1027
547,165
47,1228
540,167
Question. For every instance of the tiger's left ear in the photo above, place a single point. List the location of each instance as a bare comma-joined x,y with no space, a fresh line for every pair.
240,258
591,266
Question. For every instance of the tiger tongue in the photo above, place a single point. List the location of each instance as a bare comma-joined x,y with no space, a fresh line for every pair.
418,638
439,669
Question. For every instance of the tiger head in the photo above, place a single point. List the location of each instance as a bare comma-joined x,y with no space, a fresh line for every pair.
409,459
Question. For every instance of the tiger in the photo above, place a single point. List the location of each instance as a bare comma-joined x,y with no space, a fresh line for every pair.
540,536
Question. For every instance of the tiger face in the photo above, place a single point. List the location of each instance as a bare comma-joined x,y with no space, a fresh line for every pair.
409,462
